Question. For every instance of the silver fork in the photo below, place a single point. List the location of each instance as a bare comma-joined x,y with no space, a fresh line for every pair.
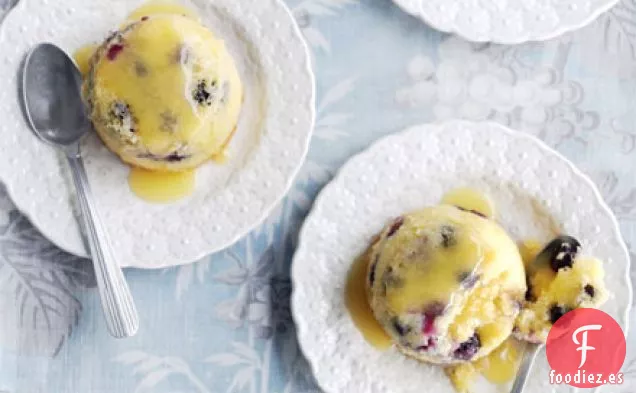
529,355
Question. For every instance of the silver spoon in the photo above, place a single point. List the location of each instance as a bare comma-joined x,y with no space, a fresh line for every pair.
53,105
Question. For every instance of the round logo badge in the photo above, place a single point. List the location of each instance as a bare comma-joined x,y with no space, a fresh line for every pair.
586,348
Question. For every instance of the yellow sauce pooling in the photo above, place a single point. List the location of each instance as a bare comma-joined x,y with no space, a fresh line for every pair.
470,199
161,187
358,305
499,367
164,7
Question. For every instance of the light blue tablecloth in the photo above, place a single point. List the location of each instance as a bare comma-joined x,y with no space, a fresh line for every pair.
224,324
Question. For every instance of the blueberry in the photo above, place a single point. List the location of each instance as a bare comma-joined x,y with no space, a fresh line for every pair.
468,279
561,252
121,110
557,312
391,280
431,313
448,236
168,121
140,69
372,270
468,348
430,343
428,324
202,94
472,211
175,157
397,223
114,51
529,295
435,309
121,114
399,327
589,290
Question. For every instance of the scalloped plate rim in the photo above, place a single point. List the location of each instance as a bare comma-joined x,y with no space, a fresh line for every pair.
527,37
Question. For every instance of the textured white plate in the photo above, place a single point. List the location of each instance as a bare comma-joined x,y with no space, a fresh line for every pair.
506,21
536,191
267,150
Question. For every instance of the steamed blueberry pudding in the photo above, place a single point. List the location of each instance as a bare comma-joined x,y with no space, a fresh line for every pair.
164,94
446,284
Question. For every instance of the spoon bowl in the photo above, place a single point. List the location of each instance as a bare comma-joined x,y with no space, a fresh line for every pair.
51,93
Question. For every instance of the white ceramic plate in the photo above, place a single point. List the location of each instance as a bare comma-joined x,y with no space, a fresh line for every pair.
506,21
536,192
265,154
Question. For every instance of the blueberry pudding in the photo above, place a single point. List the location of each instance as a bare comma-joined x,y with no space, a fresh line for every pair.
445,284
163,93
559,280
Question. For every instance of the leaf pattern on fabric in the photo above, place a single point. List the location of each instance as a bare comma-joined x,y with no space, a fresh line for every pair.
622,201
626,134
153,370
619,28
42,280
329,124
187,274
306,10
263,299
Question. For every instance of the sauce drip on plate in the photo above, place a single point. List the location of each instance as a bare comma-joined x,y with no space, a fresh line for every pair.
161,187
470,199
358,305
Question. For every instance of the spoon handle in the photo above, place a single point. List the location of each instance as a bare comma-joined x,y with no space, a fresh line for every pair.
526,365
117,302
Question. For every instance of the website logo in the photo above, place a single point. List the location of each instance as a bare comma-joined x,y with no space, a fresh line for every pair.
586,348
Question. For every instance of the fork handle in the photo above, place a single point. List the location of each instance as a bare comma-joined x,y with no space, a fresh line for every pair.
529,357
117,302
